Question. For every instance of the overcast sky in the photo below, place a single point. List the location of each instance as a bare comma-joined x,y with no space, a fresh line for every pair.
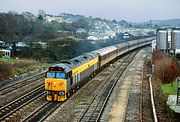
130,10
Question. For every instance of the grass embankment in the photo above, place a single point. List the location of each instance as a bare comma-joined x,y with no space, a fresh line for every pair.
169,89
14,67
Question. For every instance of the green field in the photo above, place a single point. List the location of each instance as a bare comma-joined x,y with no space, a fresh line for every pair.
8,60
169,89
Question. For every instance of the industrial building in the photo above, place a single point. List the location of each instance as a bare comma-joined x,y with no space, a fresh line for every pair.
168,40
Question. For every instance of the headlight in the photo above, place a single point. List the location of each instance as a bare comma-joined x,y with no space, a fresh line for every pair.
45,92
61,93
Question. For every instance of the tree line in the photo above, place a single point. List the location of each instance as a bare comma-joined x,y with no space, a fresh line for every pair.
15,27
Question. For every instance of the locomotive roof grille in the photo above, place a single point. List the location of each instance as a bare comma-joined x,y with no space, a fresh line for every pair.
75,60
66,62
84,57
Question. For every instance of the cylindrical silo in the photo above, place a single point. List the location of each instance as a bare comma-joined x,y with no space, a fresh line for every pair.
162,39
175,38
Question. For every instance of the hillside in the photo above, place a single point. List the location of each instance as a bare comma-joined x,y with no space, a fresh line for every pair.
159,23
170,22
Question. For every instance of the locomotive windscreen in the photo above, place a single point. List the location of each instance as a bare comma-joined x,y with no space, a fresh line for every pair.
59,69
55,75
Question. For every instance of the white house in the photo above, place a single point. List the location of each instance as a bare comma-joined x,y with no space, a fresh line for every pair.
5,53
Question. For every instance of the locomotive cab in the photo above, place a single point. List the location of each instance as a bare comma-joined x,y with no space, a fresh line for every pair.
56,80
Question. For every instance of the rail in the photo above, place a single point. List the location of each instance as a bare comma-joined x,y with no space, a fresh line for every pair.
152,101
21,83
42,113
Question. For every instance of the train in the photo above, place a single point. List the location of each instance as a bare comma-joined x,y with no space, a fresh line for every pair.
62,79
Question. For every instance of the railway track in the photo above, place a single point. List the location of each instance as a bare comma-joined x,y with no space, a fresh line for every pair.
145,103
19,103
21,83
97,104
139,108
42,113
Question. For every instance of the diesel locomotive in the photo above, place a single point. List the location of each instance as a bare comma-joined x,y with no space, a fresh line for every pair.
61,79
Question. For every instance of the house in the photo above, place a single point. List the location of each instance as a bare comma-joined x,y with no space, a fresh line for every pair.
133,34
2,43
81,30
49,18
4,53
137,33
127,35
92,38
59,19
29,16
22,44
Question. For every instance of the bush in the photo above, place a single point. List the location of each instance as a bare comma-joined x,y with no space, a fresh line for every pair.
12,67
24,63
5,70
166,68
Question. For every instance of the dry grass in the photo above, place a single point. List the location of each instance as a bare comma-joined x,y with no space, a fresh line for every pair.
25,63
10,68
5,70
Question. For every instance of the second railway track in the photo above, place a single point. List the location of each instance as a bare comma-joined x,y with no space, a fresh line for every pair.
19,103
8,88
42,112
95,109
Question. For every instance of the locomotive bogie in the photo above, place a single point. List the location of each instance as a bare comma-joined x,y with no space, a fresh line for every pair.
55,96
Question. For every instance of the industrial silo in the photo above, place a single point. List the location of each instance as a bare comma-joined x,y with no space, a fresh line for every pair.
175,40
162,39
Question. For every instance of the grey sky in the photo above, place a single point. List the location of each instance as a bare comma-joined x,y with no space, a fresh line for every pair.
130,10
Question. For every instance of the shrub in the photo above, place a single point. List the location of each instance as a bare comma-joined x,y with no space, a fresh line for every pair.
5,70
24,63
166,68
